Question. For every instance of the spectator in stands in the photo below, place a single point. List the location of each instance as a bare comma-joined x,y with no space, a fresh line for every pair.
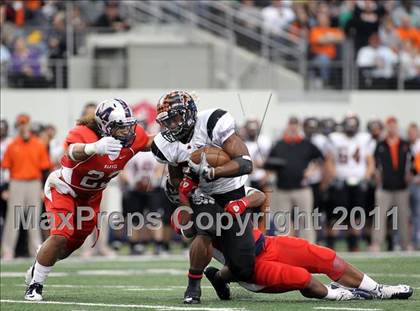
26,158
289,158
57,46
110,20
365,21
277,17
249,15
346,13
407,32
392,157
407,8
25,68
376,64
388,34
299,29
323,41
410,65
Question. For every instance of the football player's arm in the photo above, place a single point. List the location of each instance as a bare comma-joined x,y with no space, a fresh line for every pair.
240,164
328,170
370,168
105,146
256,199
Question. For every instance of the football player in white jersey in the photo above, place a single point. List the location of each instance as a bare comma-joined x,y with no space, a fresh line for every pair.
185,130
353,167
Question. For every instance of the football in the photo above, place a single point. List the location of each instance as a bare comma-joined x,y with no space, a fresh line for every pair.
215,156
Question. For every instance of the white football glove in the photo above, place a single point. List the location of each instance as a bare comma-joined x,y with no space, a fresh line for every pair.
202,169
105,146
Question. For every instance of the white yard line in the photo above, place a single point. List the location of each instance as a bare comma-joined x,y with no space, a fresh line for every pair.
122,287
346,308
398,275
184,257
131,306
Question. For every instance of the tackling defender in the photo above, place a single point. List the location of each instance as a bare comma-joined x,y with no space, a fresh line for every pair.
98,149
285,263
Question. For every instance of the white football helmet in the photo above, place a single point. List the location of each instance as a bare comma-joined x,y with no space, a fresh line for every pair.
113,114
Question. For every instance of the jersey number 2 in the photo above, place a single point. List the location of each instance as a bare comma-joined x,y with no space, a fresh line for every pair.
95,179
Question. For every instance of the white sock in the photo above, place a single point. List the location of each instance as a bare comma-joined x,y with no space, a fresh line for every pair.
331,294
367,283
40,273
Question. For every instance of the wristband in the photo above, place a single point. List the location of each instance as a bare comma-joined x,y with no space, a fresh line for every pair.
90,148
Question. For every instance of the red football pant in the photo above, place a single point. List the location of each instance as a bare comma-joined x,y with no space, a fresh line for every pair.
287,263
63,205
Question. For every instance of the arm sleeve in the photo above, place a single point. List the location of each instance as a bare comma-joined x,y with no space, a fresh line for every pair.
223,129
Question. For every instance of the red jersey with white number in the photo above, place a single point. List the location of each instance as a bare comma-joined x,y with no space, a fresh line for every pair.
93,174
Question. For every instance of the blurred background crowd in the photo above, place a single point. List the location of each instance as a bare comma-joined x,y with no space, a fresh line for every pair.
311,163
331,44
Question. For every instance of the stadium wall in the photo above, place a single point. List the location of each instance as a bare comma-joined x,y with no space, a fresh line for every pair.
62,107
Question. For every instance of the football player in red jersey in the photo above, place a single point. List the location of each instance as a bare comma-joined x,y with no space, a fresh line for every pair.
284,263
98,149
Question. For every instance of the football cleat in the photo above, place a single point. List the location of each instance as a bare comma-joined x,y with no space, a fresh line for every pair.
192,295
343,294
222,288
392,291
34,292
359,294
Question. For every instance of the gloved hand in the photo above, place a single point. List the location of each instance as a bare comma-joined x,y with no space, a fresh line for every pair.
54,181
186,185
105,146
237,206
202,169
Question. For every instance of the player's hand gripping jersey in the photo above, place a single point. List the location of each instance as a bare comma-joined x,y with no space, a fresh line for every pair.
212,127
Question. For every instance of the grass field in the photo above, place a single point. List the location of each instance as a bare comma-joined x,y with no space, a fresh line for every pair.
158,283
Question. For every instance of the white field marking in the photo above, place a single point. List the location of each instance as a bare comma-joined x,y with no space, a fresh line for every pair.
133,258
346,308
380,255
132,272
398,275
123,287
103,272
22,274
183,257
132,306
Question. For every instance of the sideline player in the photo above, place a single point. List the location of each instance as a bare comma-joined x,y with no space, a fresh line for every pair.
98,149
184,131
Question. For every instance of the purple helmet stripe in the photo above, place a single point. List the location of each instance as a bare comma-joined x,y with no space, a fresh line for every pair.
125,106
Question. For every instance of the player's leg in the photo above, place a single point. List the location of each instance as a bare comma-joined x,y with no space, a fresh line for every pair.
66,236
278,278
319,259
200,249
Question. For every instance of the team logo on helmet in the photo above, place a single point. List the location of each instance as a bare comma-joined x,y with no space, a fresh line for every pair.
115,118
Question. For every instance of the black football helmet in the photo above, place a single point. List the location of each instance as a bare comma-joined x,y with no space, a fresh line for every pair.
177,115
